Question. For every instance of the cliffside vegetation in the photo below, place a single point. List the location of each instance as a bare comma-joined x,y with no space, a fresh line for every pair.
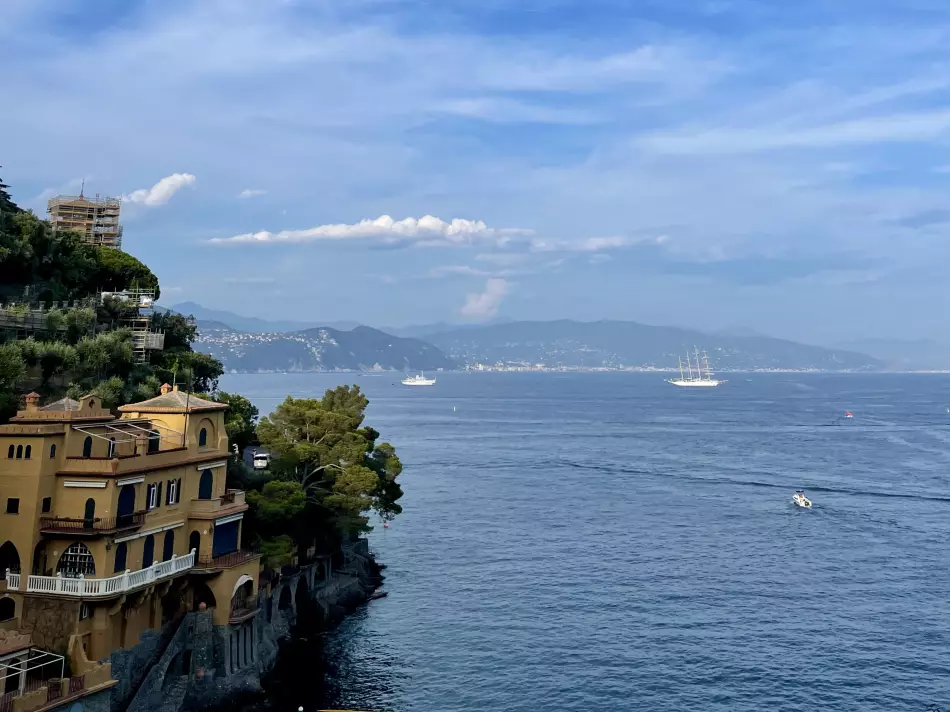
329,470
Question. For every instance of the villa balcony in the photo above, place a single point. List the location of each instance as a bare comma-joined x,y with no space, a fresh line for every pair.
72,526
111,587
213,564
231,502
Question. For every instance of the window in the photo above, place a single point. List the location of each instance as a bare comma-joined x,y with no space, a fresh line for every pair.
148,554
47,504
205,484
85,611
121,552
13,505
10,453
151,497
169,548
29,451
87,446
172,492
7,609
90,513
203,437
76,560
19,452
154,442
52,451
111,447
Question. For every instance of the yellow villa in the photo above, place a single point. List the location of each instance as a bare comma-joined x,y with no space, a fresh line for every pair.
111,526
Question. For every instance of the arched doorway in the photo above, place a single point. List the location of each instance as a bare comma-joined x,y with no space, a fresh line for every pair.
243,597
89,515
194,543
202,594
9,559
148,555
203,437
7,609
205,485
121,554
154,442
126,505
168,548
87,446
76,560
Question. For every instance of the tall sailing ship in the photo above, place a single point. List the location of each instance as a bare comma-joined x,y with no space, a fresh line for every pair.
702,377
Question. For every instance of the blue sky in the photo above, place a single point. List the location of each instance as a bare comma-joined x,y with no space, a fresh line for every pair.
774,165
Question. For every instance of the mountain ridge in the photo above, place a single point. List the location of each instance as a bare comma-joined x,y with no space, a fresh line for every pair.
628,344
320,348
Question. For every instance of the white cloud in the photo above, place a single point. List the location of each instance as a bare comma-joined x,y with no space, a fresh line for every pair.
251,193
484,305
503,259
910,127
427,231
593,244
161,192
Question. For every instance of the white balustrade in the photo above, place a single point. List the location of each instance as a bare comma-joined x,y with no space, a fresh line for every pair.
100,587
13,581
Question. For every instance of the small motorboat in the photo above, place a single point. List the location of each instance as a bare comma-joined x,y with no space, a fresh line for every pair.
849,414
800,500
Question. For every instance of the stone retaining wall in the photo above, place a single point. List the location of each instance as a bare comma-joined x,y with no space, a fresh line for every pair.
205,665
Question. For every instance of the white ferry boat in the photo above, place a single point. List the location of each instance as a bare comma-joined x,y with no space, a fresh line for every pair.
419,380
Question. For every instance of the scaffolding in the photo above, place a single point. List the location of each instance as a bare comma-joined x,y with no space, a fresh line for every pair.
136,309
95,219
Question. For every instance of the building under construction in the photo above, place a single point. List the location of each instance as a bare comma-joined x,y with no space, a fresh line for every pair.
96,219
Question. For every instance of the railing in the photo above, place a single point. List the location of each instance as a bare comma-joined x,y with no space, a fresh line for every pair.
13,581
6,701
54,690
105,587
77,684
231,498
98,525
225,561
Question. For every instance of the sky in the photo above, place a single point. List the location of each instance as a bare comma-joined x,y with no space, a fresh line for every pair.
714,164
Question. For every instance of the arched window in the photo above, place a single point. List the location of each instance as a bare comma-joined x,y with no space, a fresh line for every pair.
203,437
90,514
76,560
126,505
19,452
52,451
206,485
121,554
87,446
10,452
7,609
154,442
29,452
148,555
169,547
9,559
92,403
111,447
194,543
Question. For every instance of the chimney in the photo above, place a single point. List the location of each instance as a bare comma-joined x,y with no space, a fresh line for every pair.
32,402
165,388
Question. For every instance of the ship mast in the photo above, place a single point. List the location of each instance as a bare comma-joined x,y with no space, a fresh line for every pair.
689,365
680,359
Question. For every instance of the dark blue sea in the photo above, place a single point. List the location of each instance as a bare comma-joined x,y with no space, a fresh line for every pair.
610,542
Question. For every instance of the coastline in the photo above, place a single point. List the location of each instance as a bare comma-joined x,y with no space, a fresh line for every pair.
193,665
